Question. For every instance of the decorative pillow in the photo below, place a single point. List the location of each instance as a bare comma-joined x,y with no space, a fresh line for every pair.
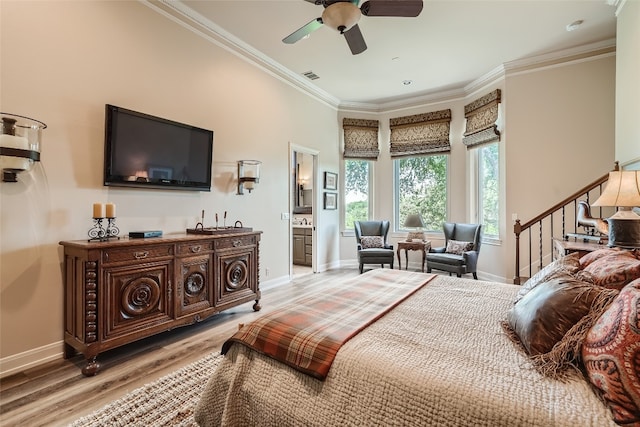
586,260
615,270
369,242
611,355
545,314
457,247
568,264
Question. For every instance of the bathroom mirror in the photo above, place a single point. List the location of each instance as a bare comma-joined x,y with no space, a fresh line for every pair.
303,180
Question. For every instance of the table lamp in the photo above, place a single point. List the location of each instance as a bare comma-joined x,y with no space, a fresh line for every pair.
414,221
622,191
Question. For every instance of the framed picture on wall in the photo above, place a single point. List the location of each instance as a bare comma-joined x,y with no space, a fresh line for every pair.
330,200
330,181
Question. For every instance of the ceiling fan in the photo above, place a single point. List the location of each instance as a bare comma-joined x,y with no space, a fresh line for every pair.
343,15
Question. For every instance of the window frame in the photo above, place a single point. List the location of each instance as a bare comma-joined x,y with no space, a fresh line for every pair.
370,198
477,193
398,227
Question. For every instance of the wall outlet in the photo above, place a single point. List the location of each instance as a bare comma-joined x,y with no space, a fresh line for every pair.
284,215
266,272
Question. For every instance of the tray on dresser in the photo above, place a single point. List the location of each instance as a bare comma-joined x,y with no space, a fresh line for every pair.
218,230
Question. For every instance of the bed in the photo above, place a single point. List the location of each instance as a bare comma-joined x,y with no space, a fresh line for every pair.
440,357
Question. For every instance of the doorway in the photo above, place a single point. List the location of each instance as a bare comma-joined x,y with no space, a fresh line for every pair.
303,194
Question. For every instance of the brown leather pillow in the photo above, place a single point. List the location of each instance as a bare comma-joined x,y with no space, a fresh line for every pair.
567,264
547,312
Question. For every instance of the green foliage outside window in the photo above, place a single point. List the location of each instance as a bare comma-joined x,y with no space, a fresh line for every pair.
488,191
422,188
356,192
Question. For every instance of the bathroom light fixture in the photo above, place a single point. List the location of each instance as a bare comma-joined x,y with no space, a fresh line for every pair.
248,175
19,144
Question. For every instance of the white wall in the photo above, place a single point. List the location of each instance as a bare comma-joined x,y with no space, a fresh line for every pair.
628,84
61,63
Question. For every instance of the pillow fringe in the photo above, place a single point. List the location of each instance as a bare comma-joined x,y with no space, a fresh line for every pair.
562,362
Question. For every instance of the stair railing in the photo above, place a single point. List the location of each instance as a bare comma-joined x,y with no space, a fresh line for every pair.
547,228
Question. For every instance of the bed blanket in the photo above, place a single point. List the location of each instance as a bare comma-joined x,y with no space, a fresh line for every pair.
308,333
439,358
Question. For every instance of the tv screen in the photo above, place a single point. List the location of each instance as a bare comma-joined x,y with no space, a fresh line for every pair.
148,151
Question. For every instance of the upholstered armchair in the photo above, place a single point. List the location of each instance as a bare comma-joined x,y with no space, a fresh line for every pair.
460,253
373,247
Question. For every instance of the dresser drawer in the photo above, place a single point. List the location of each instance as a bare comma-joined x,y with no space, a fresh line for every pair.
138,253
235,242
194,248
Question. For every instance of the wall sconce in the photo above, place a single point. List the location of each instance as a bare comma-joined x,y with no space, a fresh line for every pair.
19,144
248,175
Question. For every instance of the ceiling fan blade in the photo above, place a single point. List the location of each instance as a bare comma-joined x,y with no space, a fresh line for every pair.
303,31
355,40
404,8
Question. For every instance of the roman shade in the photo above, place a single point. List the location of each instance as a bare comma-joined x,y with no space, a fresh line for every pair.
482,120
360,139
420,134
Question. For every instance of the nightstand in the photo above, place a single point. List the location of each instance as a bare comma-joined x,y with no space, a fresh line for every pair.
414,245
565,247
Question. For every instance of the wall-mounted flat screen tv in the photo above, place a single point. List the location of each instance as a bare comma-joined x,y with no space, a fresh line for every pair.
147,151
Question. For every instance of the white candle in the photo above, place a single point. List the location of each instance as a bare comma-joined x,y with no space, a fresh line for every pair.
98,210
10,162
249,185
111,210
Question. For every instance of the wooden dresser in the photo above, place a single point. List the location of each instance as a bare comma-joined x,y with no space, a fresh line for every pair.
120,291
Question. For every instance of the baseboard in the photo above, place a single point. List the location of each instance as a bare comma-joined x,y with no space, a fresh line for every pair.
22,361
273,283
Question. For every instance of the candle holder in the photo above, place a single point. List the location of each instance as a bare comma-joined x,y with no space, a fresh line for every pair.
100,233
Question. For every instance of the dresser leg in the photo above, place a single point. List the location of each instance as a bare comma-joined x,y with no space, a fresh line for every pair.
92,367
257,306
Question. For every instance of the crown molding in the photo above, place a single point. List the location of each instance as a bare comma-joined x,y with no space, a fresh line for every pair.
178,12
190,19
588,51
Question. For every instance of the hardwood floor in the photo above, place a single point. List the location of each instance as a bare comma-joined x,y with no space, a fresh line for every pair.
57,393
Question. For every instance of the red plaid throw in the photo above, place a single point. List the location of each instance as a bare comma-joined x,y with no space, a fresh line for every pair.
307,333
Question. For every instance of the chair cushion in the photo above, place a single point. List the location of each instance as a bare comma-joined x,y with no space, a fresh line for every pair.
376,252
611,355
368,242
445,258
458,247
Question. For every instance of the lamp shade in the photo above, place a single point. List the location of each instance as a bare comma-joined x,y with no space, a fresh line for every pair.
413,221
623,190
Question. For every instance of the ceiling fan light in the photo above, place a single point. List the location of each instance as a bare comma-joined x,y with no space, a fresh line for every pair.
341,16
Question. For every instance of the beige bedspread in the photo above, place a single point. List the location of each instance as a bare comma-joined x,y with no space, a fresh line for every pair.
438,359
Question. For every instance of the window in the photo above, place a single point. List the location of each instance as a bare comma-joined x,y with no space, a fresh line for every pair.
421,187
488,157
356,191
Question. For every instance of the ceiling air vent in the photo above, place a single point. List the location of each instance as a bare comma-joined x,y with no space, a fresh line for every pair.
311,75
